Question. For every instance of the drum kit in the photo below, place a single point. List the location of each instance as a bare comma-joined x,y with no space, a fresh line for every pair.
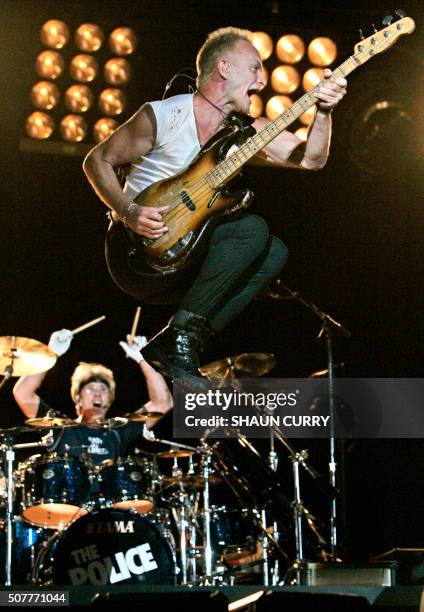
208,514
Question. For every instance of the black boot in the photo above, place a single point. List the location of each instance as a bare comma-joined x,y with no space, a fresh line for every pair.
174,351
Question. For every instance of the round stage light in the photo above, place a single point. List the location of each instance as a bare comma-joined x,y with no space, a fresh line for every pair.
84,68
39,125
103,128
312,77
123,41
290,49
54,34
112,101
256,106
263,44
78,98
285,79
277,105
45,95
117,71
322,51
73,128
302,133
49,64
89,37
308,116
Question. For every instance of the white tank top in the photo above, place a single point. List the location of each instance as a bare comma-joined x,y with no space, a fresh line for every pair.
176,144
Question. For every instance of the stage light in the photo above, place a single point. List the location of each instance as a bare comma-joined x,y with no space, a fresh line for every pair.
84,68
54,34
89,37
308,116
302,133
45,95
49,64
39,125
256,106
263,44
322,51
117,71
290,49
103,128
78,98
123,41
277,105
112,101
312,77
285,79
73,128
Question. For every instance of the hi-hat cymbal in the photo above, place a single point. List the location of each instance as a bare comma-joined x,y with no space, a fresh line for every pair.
51,422
192,480
141,417
112,423
25,356
246,364
175,453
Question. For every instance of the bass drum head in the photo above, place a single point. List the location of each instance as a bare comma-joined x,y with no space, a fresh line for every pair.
112,546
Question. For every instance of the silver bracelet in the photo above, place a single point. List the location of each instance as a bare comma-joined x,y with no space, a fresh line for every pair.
128,212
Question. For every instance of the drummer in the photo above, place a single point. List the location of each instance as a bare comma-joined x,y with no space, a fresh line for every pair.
93,391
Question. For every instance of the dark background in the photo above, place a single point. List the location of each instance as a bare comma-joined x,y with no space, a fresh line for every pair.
354,232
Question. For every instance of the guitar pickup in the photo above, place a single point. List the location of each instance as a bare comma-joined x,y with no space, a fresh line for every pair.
188,201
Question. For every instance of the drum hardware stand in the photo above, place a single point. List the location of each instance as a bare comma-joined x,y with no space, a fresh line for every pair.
9,449
327,324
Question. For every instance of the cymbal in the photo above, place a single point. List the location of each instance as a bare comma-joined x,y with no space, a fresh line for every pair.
247,364
141,417
175,453
321,373
27,356
112,423
50,422
192,480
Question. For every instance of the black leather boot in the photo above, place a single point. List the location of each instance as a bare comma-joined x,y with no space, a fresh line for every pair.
174,351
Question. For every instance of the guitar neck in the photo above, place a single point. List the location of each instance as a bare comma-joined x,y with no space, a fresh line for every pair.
236,160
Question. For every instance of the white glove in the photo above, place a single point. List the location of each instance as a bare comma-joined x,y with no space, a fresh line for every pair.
134,351
60,341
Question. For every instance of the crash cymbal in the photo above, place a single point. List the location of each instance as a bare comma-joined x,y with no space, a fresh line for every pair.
175,453
26,356
246,364
50,422
141,417
191,480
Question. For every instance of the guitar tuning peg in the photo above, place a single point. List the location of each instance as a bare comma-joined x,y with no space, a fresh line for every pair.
387,20
400,13
374,28
361,35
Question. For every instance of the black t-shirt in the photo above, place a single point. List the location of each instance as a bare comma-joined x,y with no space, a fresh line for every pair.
101,444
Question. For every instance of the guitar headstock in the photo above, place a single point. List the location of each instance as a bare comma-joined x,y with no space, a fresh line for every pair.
383,39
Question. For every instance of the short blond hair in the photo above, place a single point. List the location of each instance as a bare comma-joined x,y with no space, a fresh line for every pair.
85,373
212,49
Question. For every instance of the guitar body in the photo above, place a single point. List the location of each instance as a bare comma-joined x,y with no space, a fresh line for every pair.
195,204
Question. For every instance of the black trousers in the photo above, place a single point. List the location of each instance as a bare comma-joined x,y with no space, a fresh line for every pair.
241,260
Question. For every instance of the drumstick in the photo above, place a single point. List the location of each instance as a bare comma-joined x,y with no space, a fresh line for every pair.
87,325
134,326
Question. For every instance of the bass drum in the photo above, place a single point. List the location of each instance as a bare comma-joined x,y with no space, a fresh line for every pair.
109,546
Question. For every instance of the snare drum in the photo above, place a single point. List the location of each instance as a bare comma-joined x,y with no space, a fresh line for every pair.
125,483
109,546
54,489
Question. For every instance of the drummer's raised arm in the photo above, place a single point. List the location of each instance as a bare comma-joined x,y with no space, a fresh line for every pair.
25,390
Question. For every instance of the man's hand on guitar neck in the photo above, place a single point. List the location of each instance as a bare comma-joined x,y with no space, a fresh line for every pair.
331,92
145,220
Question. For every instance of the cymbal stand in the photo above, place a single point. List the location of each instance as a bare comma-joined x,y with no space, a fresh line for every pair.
273,464
207,544
328,323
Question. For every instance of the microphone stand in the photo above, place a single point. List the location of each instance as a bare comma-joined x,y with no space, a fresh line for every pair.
328,323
